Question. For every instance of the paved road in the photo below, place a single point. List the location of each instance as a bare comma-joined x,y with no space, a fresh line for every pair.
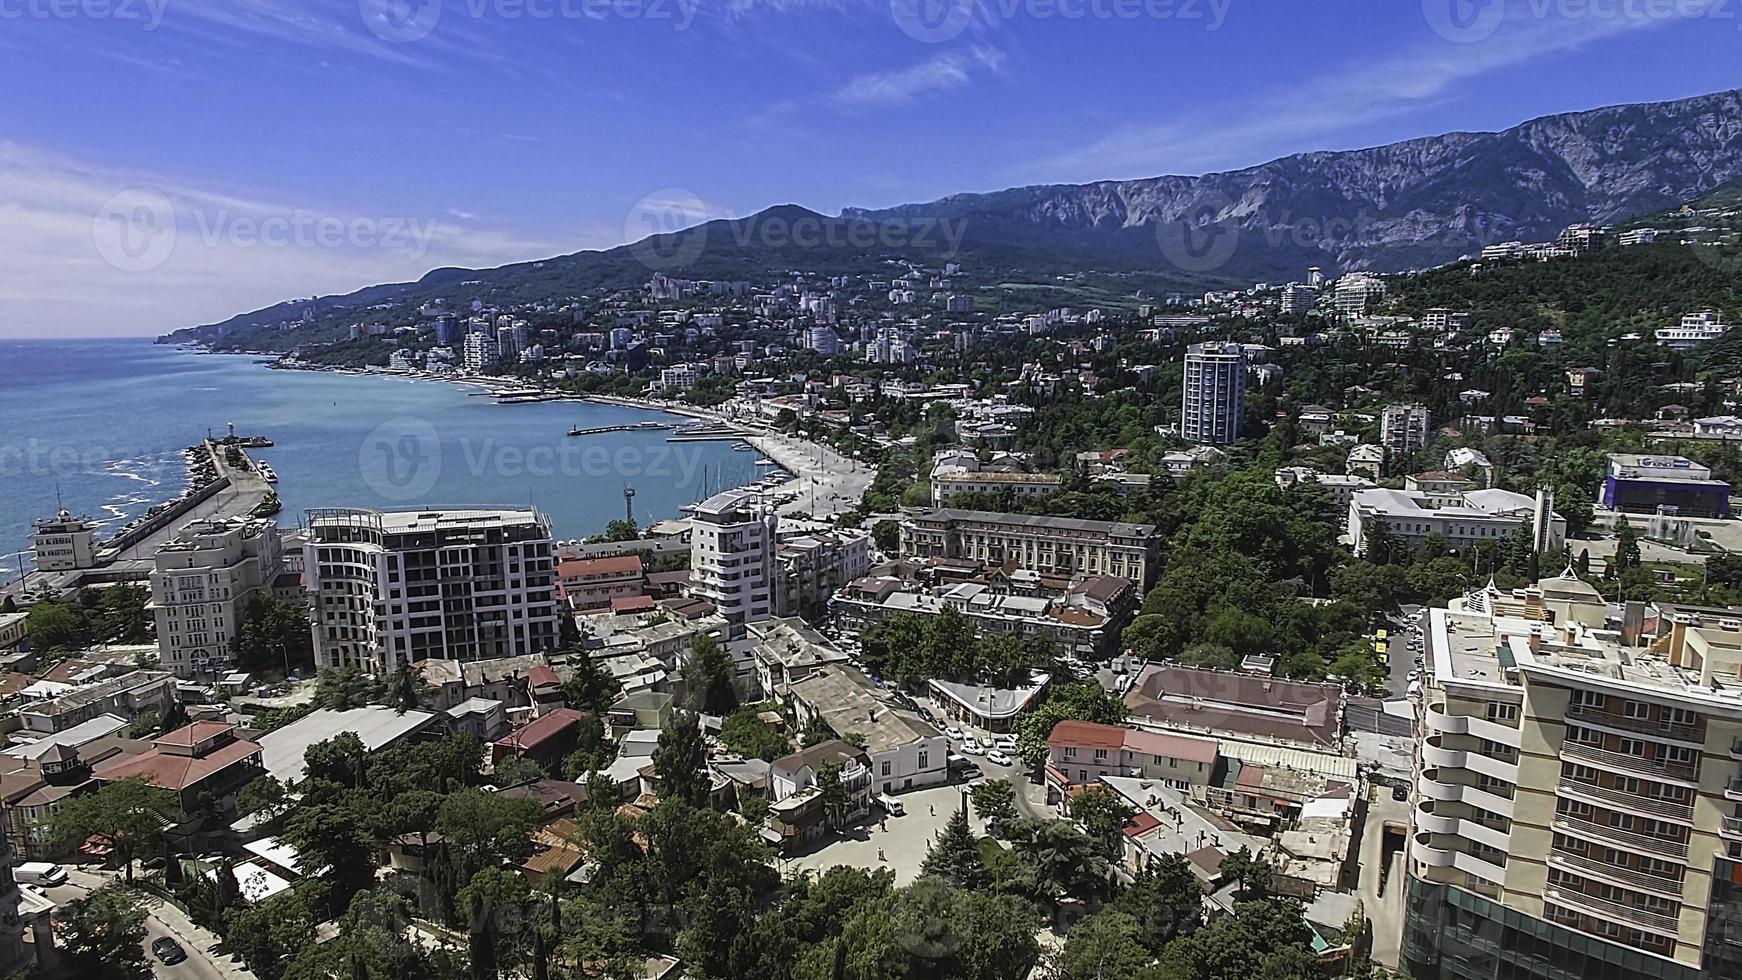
163,920
1402,657
1385,911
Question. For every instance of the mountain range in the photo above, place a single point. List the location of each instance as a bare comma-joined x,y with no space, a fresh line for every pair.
1411,204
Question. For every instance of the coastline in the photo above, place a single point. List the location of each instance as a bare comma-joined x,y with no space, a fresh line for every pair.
823,483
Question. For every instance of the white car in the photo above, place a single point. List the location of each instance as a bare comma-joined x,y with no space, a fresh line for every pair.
1007,743
998,758
955,734
972,747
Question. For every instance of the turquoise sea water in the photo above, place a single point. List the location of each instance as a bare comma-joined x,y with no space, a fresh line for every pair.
102,424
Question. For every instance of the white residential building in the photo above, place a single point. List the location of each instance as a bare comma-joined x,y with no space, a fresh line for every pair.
392,588
63,543
477,352
1695,329
1403,429
1462,520
679,377
732,548
810,567
201,586
1357,291
906,752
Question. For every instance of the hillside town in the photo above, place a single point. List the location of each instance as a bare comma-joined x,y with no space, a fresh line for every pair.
1331,618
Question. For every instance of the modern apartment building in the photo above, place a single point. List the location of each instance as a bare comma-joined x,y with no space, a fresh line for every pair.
392,588
732,546
1062,545
1695,329
1403,429
1214,393
591,583
201,587
1358,291
1578,795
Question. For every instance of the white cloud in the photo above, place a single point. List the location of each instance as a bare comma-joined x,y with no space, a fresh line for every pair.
1369,90
95,252
938,74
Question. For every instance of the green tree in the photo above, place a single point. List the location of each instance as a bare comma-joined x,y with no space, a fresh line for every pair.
55,626
125,815
1102,814
744,732
263,795
887,536
271,933
1109,945
590,686
1080,702
995,801
340,760
708,675
1266,939
1166,899
1249,871
833,793
954,856
103,935
680,760
274,637
622,529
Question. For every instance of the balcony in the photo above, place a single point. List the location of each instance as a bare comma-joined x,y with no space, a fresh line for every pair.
1691,734
1633,764
1732,827
1603,908
1632,802
1605,834
1733,789
1609,872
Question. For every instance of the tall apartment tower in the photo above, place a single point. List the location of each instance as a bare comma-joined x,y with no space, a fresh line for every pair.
201,586
1403,429
732,549
1215,393
391,588
1577,808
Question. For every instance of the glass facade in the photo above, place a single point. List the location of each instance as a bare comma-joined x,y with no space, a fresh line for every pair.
1723,949
1452,934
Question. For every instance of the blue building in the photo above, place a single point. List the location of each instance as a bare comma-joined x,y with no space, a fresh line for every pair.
1639,484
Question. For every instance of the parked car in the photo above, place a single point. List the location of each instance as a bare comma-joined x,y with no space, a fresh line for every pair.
972,747
40,873
998,758
1007,743
168,951
1400,793
891,805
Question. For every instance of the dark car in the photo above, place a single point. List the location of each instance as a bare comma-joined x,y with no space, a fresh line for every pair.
169,951
1400,793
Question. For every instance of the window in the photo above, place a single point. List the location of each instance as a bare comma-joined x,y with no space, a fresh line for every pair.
1589,699
1502,713
1680,716
1681,754
1100,755
1578,773
924,759
1587,736
1635,709
885,767
1632,746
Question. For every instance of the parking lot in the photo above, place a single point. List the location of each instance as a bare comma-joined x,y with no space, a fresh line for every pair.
900,844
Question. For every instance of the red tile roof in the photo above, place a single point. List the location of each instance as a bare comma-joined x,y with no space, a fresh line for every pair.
176,772
1087,735
619,565
193,734
633,603
541,729
1143,821
542,676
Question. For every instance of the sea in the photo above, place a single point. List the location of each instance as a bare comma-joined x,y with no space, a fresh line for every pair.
98,427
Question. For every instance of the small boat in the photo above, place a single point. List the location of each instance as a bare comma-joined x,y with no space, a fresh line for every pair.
743,448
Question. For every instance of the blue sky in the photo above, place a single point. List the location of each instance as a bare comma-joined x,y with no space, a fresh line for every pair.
297,147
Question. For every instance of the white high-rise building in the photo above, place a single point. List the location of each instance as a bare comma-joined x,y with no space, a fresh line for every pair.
1403,429
1215,393
478,353
732,549
390,588
202,585
823,340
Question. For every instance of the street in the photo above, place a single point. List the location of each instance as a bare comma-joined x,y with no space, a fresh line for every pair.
162,920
